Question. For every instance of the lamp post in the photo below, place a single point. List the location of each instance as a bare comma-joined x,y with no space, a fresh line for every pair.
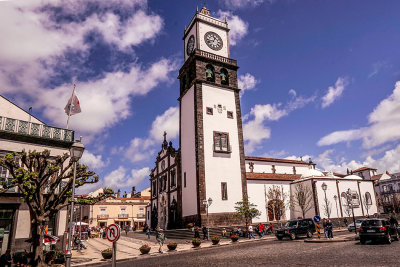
208,203
335,197
349,202
325,187
76,152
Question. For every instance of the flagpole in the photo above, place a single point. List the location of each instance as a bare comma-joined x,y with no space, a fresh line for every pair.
70,105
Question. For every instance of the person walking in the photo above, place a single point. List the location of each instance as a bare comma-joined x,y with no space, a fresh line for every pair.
148,232
196,232
251,235
160,239
6,259
329,227
261,229
345,222
204,229
324,222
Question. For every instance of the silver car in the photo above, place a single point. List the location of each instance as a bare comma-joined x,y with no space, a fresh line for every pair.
350,227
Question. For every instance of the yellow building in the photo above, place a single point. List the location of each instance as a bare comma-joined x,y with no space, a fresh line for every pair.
129,210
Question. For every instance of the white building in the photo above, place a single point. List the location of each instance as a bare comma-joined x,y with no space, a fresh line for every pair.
211,169
387,188
20,130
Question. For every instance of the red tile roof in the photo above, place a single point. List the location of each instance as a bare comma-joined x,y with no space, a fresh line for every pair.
378,176
271,176
364,169
278,160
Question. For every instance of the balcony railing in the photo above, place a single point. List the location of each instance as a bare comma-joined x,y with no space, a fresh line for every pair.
122,216
35,130
140,216
102,216
215,57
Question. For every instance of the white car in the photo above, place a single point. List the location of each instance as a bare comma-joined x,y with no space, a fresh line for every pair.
350,227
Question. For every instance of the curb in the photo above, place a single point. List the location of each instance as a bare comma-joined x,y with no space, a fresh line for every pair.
328,241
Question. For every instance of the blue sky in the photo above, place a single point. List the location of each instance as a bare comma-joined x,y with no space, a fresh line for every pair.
318,77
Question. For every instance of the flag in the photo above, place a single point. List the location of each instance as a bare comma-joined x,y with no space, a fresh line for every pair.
73,106
46,229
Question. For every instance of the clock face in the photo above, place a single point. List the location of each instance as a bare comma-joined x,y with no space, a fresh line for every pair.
190,45
213,40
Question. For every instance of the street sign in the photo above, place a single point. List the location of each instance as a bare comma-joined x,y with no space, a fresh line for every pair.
317,219
113,232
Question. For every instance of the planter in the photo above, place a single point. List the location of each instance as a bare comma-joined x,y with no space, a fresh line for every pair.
106,255
172,246
234,238
215,241
196,242
144,250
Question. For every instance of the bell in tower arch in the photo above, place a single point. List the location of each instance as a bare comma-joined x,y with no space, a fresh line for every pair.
210,73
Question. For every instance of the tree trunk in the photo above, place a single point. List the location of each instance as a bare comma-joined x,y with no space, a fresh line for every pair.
37,232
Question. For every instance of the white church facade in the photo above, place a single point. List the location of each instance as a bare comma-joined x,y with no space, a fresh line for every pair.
210,163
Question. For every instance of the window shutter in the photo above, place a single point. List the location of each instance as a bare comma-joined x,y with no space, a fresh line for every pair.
224,142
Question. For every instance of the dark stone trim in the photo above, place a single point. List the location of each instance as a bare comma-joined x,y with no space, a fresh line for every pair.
241,143
35,140
361,202
222,219
340,198
314,191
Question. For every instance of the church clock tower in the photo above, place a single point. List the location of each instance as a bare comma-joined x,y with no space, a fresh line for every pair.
211,136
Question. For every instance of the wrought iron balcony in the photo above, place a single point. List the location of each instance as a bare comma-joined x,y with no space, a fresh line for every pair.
123,216
25,128
102,216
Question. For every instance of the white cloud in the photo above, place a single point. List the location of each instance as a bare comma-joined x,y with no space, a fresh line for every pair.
142,148
384,125
92,161
121,178
37,37
238,27
254,129
334,92
236,4
246,82
377,67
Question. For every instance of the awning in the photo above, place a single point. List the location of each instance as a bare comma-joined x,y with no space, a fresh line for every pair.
122,220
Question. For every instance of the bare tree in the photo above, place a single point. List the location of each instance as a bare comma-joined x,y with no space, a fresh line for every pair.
276,200
327,207
302,199
367,203
45,185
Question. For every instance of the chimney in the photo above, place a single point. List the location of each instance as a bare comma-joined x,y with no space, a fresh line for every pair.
133,190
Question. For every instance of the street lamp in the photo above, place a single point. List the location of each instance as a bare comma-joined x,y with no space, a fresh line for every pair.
335,197
208,203
76,152
325,187
349,202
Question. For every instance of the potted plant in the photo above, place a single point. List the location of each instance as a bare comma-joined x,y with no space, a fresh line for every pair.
172,245
107,253
145,249
196,242
59,257
215,240
234,238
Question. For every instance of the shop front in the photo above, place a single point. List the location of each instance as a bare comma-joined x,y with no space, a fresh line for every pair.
6,228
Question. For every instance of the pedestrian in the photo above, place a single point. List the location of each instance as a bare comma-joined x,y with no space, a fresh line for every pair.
261,229
224,234
251,235
5,259
148,233
393,221
329,227
196,232
160,239
345,221
126,230
204,229
324,222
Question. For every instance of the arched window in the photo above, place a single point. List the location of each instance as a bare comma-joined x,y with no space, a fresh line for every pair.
224,77
210,73
368,198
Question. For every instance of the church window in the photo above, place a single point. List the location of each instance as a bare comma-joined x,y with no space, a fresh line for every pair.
224,191
229,114
154,189
368,198
165,182
210,76
221,142
184,179
294,170
173,184
224,77
209,111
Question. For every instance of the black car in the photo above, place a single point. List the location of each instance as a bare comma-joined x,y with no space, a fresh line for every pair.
295,228
378,229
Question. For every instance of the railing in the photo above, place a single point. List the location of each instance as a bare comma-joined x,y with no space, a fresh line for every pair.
102,216
35,129
122,216
140,216
215,57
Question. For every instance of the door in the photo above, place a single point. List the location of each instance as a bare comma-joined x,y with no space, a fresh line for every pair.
6,225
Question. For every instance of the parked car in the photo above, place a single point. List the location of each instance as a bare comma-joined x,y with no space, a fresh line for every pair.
378,229
350,227
295,228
